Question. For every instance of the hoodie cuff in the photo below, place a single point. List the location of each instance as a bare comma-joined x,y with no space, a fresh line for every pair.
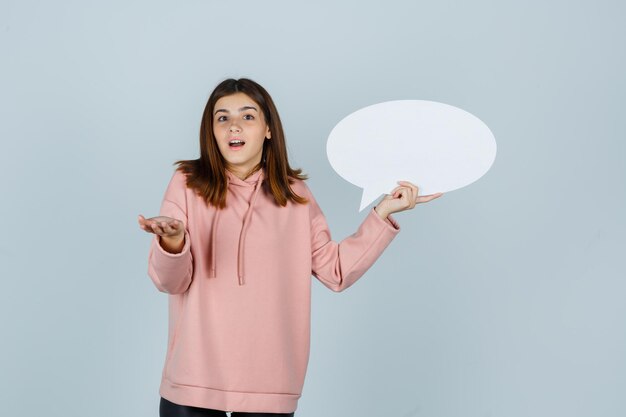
167,254
389,222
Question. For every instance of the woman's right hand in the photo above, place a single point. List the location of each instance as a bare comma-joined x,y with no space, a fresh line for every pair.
163,226
171,231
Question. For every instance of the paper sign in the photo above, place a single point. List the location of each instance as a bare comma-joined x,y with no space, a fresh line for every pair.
436,146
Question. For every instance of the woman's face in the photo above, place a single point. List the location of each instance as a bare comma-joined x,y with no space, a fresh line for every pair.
240,130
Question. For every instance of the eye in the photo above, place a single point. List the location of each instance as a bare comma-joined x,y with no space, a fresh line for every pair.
221,118
248,117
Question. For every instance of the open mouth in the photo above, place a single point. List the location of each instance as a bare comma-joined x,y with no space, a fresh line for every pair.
236,143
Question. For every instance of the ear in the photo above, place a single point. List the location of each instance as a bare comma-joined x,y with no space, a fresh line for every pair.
268,134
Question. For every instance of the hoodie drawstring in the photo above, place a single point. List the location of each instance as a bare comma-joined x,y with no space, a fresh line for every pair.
213,234
244,230
242,236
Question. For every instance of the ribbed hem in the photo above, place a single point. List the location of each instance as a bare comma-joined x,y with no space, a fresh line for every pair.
249,402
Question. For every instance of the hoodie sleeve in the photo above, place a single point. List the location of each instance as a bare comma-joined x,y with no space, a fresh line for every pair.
171,273
339,265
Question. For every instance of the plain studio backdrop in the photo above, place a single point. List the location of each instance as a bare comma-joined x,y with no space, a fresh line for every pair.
504,298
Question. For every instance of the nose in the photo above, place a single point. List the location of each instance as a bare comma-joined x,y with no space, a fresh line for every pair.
235,127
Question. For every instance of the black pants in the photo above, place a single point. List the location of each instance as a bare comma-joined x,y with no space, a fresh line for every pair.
169,409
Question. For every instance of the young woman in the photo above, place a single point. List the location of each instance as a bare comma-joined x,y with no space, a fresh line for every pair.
238,237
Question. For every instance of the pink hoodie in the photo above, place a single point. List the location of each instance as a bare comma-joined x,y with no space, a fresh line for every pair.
240,292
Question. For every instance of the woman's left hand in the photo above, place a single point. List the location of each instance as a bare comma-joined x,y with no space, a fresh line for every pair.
403,197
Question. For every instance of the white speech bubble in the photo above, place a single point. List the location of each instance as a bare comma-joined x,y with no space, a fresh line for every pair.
436,146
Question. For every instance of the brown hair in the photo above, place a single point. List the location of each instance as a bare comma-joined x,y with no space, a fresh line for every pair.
207,174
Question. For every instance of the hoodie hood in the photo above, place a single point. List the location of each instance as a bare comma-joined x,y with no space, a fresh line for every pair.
255,182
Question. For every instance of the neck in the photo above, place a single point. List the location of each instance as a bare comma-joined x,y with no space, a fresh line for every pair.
241,174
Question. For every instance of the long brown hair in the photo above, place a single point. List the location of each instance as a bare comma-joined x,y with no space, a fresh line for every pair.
207,174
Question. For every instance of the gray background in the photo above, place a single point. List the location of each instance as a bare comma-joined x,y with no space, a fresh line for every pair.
504,298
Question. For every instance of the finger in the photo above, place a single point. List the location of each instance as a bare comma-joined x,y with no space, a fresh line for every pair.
393,193
412,198
147,229
143,223
436,195
160,219
411,193
414,187
400,192
147,222
408,184
414,190
157,229
405,196
168,228
407,191
427,198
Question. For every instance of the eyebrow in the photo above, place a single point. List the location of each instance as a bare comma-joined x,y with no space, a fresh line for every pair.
241,109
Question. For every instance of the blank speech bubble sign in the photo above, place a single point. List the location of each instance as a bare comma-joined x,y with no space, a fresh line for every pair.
436,146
